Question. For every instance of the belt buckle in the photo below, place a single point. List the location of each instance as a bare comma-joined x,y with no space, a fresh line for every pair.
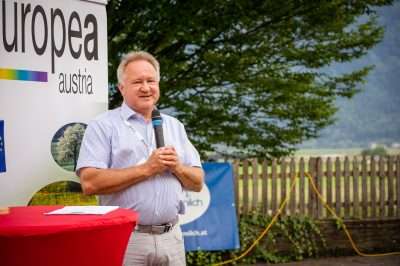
168,227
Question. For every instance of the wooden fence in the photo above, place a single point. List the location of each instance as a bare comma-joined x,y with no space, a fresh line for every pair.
356,188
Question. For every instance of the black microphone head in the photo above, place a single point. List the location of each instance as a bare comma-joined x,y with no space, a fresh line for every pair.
155,114
156,118
158,130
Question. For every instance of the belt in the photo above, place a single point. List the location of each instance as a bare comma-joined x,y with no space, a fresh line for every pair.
156,229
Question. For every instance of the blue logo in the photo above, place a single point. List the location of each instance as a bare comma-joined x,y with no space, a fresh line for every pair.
2,148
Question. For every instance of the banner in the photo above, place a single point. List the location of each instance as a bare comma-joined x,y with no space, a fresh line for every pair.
210,221
53,80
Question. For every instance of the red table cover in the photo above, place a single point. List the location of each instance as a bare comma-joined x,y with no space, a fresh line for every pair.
29,237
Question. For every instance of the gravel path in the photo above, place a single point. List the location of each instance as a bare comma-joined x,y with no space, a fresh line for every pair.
345,261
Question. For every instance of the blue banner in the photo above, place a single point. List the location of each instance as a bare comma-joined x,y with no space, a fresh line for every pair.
2,148
216,227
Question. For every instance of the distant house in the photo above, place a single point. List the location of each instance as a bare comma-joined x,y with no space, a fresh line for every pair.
395,145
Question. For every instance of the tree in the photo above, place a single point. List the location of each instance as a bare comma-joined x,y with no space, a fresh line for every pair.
377,151
247,77
69,143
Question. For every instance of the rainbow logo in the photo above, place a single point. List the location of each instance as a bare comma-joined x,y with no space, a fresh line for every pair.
25,75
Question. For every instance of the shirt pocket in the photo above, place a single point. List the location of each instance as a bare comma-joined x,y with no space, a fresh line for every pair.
127,151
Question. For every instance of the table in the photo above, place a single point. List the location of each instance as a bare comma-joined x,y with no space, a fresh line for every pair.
28,237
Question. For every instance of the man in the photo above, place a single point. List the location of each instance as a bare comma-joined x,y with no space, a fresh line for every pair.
119,161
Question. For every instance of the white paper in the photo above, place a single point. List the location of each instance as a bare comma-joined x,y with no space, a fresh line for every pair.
84,210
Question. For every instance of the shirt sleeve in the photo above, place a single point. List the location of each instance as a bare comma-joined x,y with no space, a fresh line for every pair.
95,147
191,157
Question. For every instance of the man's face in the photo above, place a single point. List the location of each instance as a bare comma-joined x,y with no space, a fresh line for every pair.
139,87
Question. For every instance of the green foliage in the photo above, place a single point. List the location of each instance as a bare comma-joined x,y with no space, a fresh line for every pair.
247,77
339,224
201,258
377,151
301,233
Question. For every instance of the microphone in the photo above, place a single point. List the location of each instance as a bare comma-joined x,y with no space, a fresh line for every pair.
158,130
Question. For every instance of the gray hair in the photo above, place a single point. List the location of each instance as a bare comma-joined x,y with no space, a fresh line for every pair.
134,56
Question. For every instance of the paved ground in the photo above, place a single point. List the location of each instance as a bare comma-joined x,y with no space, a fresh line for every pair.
346,261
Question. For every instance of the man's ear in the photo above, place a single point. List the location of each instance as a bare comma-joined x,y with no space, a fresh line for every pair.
121,88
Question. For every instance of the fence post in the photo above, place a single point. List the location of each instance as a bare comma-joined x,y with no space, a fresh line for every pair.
293,196
364,194
338,187
382,190
283,185
254,168
391,187
329,178
373,187
265,202
346,187
274,194
318,183
312,207
236,176
245,186
398,185
356,175
302,190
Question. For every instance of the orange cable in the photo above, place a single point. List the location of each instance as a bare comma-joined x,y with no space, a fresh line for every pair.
284,202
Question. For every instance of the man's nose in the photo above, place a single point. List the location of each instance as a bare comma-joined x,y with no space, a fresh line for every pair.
145,86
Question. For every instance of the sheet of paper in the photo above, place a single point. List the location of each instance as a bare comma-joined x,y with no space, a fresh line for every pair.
83,210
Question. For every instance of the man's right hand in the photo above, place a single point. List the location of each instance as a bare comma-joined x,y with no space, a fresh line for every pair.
154,163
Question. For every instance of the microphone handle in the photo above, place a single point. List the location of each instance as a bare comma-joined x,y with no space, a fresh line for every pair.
158,130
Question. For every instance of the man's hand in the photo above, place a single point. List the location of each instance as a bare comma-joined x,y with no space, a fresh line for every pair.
170,158
162,159
166,158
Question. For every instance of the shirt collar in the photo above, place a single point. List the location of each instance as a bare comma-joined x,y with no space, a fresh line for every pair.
127,112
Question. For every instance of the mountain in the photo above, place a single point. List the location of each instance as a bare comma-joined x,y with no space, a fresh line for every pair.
373,115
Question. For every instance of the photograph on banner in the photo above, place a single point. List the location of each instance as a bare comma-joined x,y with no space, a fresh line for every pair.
210,221
62,193
66,143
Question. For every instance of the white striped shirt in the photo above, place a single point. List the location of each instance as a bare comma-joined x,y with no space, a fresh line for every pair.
121,138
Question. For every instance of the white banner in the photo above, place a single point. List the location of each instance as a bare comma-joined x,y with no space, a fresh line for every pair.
53,80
